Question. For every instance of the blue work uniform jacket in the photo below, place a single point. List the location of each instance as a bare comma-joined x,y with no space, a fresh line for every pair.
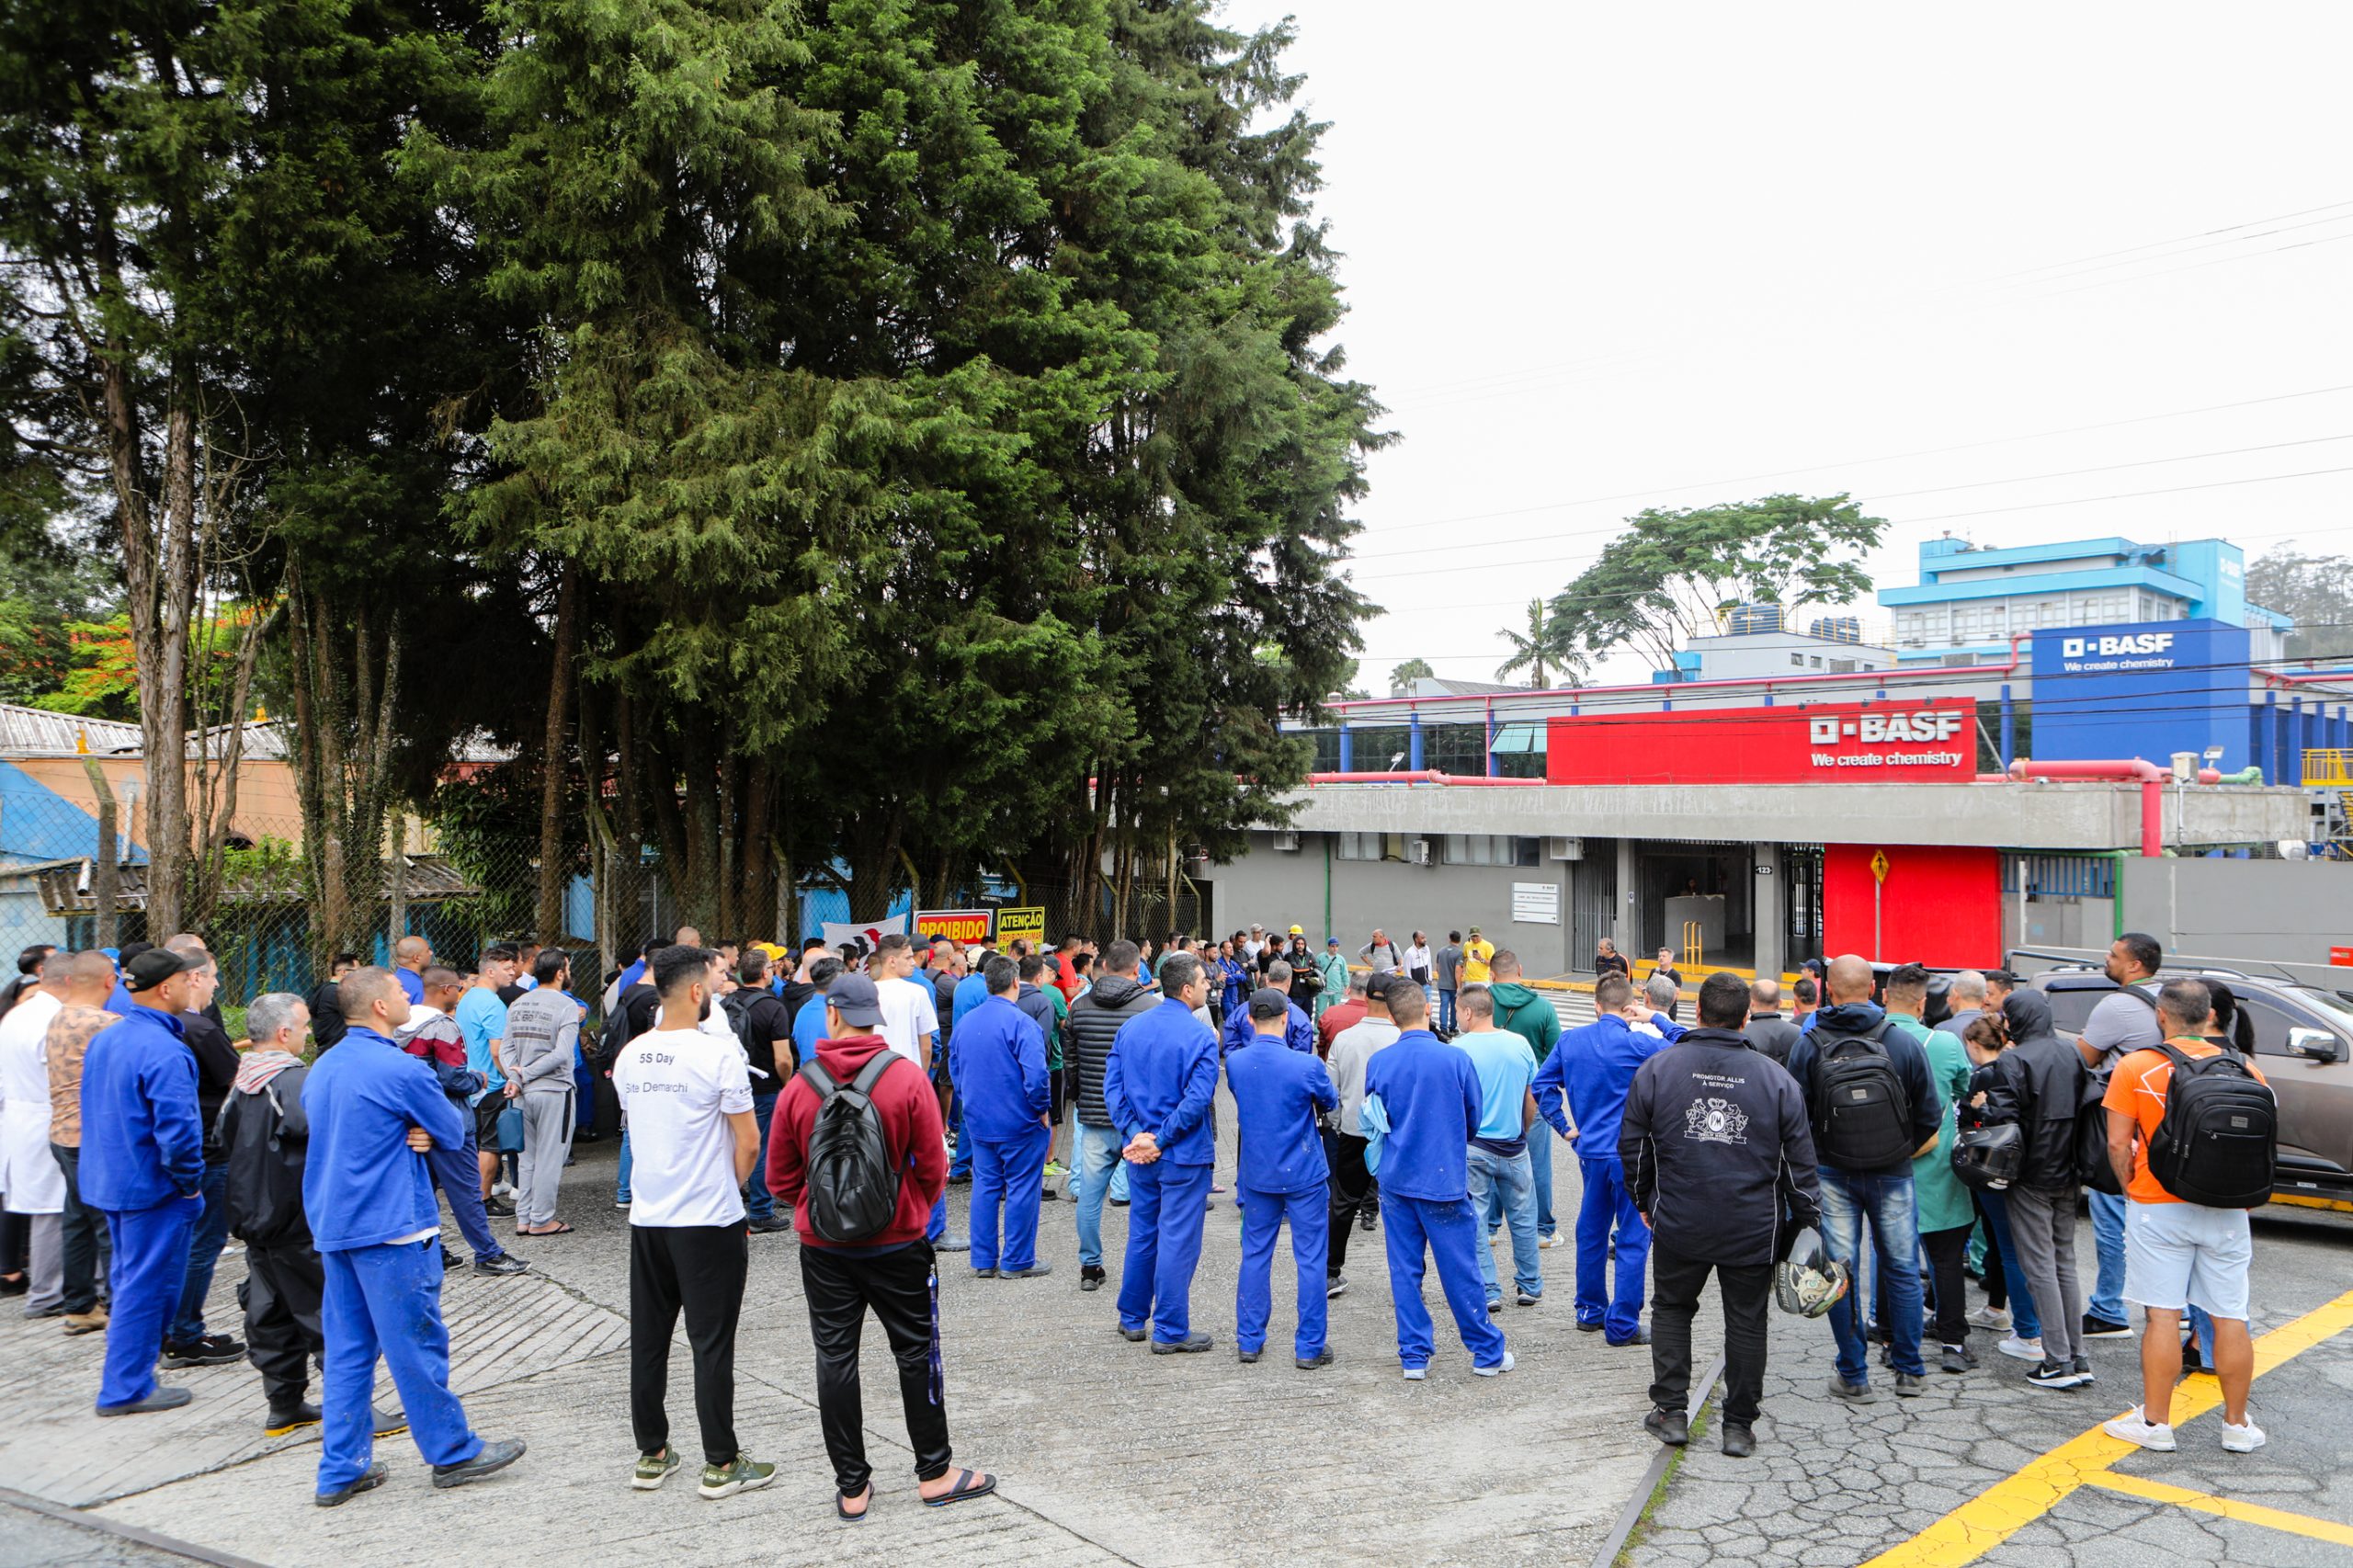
362,1184
997,1056
1596,1066
1430,1092
1161,1075
1275,1096
969,992
1299,1029
142,1138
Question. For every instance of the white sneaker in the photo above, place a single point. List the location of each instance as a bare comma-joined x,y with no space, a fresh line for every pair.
1498,1369
2243,1440
1416,1374
2021,1349
1995,1318
2157,1437
1557,1239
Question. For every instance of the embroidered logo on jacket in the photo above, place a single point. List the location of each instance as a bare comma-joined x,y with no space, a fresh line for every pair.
1713,1120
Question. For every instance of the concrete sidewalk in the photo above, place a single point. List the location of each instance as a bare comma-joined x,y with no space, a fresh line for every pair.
1106,1454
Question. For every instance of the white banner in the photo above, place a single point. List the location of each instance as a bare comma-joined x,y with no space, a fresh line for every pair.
865,933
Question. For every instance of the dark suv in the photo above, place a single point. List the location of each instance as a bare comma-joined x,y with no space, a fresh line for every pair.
2303,1045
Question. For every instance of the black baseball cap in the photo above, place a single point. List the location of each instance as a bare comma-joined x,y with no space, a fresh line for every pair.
1268,1003
156,966
855,998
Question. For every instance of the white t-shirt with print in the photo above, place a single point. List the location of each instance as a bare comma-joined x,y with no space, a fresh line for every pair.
909,1013
677,1088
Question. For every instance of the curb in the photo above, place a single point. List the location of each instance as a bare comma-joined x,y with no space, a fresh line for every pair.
132,1533
1631,1514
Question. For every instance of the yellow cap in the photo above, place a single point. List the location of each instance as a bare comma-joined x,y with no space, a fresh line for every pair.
1297,932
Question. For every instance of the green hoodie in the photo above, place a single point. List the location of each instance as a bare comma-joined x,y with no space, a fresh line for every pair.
1529,1014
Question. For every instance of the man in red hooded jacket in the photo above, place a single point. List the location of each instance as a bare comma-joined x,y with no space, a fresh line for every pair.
891,1271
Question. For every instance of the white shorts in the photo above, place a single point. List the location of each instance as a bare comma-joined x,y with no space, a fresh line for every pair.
2181,1252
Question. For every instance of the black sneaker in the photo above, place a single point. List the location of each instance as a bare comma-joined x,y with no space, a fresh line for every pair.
494,1458
2193,1361
1881,1335
1192,1343
369,1482
2053,1374
1246,1357
1669,1426
1334,1287
213,1350
498,1208
164,1398
1959,1358
1739,1441
1091,1277
505,1262
964,1180
1910,1385
1135,1335
1316,1363
1118,1202
770,1226
1368,1219
2082,1368
2105,1328
1528,1300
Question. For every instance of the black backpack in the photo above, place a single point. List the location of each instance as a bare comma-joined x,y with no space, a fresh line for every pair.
2094,1170
2215,1146
1862,1115
853,1186
738,1005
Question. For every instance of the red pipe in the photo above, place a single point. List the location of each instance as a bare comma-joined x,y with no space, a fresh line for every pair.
1427,776
1672,690
2148,775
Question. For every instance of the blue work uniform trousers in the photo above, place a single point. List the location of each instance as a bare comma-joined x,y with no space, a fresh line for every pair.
1888,1204
760,1203
386,1302
1166,1205
1011,1173
149,1270
1093,1162
1310,1213
204,1245
1504,1178
1608,1212
1449,1230
961,1164
457,1173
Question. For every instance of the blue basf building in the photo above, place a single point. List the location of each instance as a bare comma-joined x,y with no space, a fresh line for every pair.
2145,688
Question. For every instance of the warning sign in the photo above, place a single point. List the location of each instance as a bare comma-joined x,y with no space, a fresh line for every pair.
1027,924
967,927
1879,865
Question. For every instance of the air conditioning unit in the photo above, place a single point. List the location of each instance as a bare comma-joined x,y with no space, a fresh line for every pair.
1568,849
1288,842
1421,852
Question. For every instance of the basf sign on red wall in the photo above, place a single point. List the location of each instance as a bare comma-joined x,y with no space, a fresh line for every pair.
1903,743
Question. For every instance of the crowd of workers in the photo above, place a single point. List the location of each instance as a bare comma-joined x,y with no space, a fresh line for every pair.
1855,1154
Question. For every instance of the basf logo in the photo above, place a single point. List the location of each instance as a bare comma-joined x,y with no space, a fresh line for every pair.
2128,651
1883,731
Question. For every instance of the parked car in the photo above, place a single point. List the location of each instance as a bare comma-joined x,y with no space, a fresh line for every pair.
2303,1044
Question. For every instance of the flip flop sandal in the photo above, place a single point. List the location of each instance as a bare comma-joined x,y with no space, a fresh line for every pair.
847,1517
560,1230
973,1485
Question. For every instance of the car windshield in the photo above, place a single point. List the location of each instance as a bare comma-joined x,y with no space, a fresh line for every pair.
2338,1011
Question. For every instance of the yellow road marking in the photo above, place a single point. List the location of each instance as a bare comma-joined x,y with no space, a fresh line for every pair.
2018,1500
2229,1508
2300,1200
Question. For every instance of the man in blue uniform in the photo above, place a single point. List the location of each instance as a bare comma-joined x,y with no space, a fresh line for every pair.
1594,1067
143,1167
1156,1088
998,1058
1422,1108
374,1111
1275,1096
1298,1030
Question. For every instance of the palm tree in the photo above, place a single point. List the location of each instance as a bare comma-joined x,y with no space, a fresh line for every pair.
1402,679
1532,652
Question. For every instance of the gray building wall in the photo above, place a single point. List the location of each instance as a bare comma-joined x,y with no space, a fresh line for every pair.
1278,890
2286,911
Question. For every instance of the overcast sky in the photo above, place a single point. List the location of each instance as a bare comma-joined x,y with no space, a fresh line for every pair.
1608,256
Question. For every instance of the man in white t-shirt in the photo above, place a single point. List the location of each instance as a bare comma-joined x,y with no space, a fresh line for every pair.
687,1096
910,1008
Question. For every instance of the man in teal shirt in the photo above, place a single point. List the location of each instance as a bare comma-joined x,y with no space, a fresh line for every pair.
1947,1215
482,1018
1500,1174
1529,1014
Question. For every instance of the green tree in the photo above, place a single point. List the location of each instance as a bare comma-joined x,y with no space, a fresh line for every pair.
2317,591
1675,572
1403,676
1533,650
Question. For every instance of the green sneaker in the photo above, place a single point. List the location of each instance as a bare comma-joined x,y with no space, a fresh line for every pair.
742,1476
1056,1168
653,1470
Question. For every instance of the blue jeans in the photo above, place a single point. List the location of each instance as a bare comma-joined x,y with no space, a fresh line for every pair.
621,1184
760,1204
1310,1220
961,1164
1540,1164
1887,1203
1446,1010
150,1268
1008,1172
1094,1155
2107,1235
2024,1323
1608,1213
203,1254
385,1302
1505,1179
1417,1231
1164,1248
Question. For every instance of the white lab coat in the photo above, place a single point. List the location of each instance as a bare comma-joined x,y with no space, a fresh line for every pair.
29,1172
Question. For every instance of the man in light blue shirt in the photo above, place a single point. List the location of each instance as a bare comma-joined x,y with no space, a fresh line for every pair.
1498,1154
482,1018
